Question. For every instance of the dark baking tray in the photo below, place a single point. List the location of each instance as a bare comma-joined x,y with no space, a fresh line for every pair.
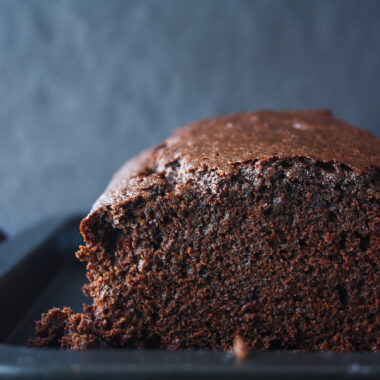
38,271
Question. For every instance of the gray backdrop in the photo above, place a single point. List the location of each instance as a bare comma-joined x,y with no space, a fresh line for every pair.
84,85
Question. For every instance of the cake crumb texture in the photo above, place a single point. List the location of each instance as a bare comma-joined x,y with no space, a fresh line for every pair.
65,329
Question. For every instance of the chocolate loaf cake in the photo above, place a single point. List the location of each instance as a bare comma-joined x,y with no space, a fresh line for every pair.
263,225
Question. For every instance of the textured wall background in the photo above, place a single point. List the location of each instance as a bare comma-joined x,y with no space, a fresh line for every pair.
84,85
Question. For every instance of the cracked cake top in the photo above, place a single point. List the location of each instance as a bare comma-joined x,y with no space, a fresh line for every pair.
218,144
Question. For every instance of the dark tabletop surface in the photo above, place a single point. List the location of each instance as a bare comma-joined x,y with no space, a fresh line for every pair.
87,84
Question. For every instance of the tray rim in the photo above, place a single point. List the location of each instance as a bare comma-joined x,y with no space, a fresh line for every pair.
20,361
